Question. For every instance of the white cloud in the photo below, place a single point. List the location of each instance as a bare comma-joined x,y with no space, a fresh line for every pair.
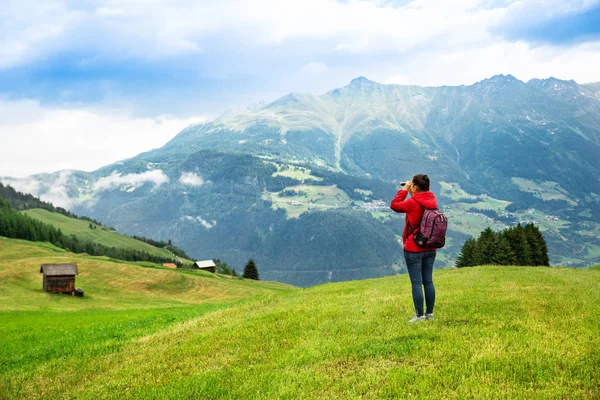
314,68
165,28
398,80
191,179
29,28
524,61
41,139
415,38
203,222
109,12
115,180
53,189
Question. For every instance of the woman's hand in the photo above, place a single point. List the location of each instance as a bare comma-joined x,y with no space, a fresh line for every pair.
409,187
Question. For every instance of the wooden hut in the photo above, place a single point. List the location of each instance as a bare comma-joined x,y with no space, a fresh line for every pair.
59,278
207,265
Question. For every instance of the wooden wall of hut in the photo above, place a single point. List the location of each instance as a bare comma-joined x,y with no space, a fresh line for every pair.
59,284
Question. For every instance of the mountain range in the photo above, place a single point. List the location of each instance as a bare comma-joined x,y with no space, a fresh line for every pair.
302,184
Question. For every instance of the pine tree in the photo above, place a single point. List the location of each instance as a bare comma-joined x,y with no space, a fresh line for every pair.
485,247
520,245
539,253
466,258
250,271
503,254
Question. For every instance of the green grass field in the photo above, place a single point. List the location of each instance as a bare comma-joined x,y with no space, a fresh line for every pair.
545,190
100,235
498,332
295,172
316,198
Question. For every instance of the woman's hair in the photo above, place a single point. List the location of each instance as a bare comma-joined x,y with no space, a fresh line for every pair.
421,182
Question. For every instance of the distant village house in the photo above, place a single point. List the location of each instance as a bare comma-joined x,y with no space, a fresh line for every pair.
207,265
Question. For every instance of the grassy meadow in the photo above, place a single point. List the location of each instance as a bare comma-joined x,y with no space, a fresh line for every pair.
101,235
498,332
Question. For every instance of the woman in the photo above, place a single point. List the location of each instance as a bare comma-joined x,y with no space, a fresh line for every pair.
419,261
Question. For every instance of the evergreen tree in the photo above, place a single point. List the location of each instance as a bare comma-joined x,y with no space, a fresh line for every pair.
485,247
250,271
513,246
539,253
503,254
520,245
466,258
223,268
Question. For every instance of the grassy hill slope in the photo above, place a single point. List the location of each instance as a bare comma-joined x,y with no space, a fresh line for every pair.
499,332
101,235
113,284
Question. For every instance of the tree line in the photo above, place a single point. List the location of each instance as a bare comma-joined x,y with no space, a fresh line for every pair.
518,245
15,225
164,245
24,201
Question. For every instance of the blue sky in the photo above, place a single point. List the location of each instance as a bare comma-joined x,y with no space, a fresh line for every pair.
115,78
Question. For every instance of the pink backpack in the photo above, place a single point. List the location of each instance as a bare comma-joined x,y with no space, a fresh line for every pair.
431,233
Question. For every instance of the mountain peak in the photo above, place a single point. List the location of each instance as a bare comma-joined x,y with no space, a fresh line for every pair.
551,81
501,78
361,80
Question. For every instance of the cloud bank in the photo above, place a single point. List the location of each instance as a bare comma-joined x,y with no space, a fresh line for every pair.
37,138
116,180
53,189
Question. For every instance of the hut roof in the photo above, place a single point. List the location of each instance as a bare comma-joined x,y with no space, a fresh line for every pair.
205,264
170,265
58,269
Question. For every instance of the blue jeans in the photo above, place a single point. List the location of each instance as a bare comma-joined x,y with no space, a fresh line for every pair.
420,270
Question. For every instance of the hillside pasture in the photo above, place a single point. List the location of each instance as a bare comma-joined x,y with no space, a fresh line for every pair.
112,284
316,198
545,190
99,234
498,332
295,172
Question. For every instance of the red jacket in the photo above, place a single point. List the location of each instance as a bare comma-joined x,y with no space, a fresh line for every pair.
414,212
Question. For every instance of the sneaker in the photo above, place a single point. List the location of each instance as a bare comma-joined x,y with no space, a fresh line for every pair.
429,316
417,319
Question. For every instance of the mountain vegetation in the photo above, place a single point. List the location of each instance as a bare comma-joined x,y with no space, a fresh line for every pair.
26,201
513,246
301,184
251,271
17,225
85,228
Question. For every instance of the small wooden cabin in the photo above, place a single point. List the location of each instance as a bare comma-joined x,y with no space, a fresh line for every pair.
207,265
170,265
59,278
